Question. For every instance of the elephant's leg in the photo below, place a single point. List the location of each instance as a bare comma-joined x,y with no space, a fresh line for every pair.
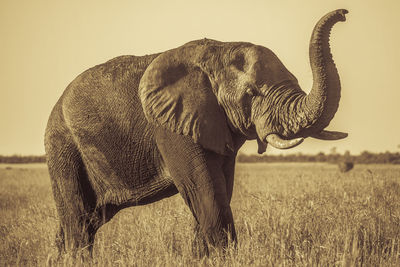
199,242
60,240
229,173
74,197
199,177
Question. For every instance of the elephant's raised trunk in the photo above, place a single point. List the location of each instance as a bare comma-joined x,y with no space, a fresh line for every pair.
321,104
316,110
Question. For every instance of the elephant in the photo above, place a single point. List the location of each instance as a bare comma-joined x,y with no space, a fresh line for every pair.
138,129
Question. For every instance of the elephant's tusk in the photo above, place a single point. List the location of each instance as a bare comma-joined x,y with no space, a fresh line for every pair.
277,142
329,135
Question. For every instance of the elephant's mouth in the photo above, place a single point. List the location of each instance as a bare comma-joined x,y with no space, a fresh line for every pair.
262,146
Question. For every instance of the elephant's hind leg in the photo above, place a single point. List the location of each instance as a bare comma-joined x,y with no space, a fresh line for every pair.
73,194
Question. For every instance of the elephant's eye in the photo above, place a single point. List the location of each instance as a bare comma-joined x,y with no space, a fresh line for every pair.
260,84
251,91
238,62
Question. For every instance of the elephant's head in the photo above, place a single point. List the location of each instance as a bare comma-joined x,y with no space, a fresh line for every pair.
208,89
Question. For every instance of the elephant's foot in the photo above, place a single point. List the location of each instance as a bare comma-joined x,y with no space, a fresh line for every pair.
199,245
215,240
75,240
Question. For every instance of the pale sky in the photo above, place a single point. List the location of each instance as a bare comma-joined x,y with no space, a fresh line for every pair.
46,44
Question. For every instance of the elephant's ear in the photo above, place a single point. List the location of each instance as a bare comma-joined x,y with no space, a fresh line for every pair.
178,96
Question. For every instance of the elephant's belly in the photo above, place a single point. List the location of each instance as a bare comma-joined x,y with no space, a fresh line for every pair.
152,192
131,178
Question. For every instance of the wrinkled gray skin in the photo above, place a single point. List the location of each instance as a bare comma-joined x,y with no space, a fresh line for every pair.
135,130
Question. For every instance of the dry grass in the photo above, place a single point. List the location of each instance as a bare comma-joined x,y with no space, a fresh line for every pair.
286,215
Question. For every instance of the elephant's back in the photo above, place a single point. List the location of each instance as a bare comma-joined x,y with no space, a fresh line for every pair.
105,95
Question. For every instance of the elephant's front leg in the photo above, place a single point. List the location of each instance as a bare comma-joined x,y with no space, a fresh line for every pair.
198,175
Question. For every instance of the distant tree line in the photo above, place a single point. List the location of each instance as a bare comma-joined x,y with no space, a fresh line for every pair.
22,159
364,158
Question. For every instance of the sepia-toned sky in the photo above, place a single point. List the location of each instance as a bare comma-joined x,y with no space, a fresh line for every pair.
44,45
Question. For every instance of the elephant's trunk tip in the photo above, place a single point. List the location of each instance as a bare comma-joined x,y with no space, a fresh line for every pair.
342,13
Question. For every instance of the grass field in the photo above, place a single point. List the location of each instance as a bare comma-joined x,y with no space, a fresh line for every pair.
285,215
